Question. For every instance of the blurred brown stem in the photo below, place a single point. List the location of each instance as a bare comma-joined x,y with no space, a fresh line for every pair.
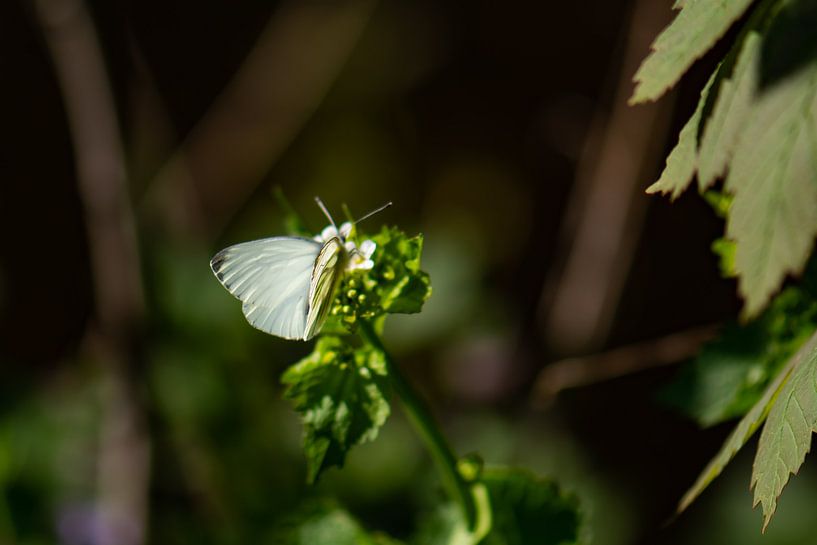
124,449
634,358
275,91
601,227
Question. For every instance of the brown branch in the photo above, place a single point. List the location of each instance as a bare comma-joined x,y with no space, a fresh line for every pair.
606,208
275,91
124,450
634,358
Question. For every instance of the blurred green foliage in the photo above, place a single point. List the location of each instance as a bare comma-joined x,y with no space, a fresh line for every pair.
731,372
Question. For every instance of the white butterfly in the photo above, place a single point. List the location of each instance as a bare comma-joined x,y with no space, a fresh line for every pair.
287,284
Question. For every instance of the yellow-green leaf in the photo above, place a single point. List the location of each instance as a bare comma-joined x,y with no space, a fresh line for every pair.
695,29
680,167
786,437
742,432
773,175
734,97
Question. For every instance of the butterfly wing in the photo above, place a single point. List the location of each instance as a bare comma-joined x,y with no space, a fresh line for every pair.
272,278
329,267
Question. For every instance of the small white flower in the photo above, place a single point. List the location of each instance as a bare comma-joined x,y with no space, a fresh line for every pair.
329,232
361,258
345,229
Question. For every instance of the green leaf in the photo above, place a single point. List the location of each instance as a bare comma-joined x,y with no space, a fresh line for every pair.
773,175
695,29
395,284
447,526
341,393
524,510
725,379
725,250
731,372
680,167
528,510
739,436
403,286
735,91
323,523
786,437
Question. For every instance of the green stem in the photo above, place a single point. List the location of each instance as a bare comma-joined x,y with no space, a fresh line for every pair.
7,530
420,417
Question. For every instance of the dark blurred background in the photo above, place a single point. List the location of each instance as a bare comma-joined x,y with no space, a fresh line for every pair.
137,406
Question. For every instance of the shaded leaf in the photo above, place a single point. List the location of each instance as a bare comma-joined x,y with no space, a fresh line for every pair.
341,393
325,524
731,372
739,436
786,437
722,381
524,510
680,167
773,176
695,29
735,92
446,525
528,510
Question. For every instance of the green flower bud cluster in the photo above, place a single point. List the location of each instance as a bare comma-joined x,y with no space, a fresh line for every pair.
395,283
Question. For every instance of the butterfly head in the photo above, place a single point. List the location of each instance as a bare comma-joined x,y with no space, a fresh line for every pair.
359,257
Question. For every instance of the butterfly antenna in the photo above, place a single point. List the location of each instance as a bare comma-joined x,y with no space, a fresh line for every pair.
326,212
373,212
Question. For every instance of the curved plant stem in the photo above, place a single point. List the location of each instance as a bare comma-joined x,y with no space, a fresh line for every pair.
420,417
7,530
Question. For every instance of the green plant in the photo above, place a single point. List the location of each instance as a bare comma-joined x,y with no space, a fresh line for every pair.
342,391
755,126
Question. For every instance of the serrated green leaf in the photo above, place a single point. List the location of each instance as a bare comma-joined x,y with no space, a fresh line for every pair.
341,393
524,510
695,29
680,166
786,437
739,436
731,373
395,284
528,510
410,287
735,91
725,379
773,176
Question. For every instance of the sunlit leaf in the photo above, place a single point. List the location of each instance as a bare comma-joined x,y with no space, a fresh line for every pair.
735,91
341,393
773,218
786,437
395,285
695,29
